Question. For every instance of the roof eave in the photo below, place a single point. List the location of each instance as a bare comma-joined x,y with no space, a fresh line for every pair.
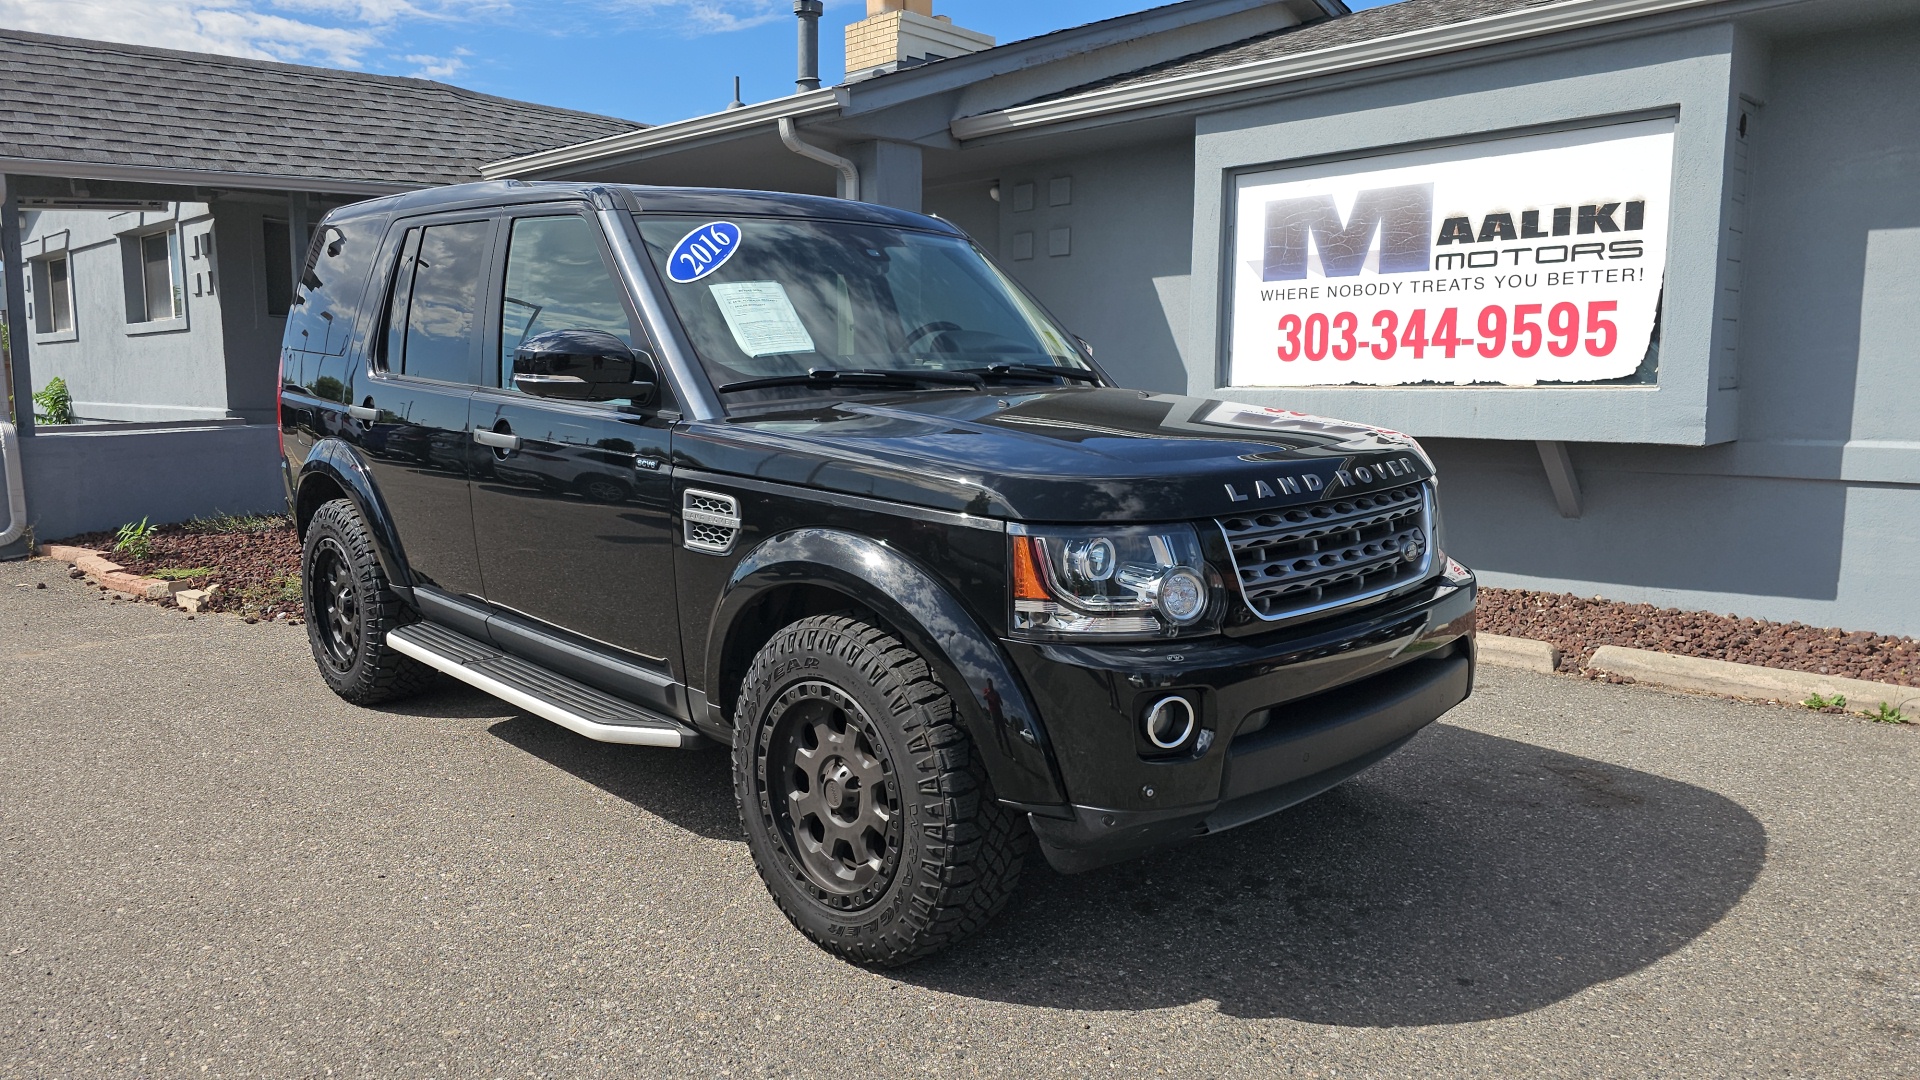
613,147
152,174
1413,44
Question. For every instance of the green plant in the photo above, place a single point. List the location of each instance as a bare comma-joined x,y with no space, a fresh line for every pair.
1815,701
56,403
220,524
134,541
175,573
1886,714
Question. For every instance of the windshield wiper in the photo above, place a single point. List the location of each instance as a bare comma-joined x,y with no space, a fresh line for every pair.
860,377
1033,371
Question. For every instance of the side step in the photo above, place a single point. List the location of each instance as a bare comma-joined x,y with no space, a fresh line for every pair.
574,706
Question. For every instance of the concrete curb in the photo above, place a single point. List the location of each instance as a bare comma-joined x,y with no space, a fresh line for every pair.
1519,652
1748,681
104,572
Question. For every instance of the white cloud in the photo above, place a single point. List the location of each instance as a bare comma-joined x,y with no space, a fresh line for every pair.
709,16
229,27
427,66
359,33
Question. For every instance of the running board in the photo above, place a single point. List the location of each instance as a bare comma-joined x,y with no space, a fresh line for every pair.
575,706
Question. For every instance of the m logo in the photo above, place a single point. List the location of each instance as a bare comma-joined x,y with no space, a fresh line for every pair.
1401,216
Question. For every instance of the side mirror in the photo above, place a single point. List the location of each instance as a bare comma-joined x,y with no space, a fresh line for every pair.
583,365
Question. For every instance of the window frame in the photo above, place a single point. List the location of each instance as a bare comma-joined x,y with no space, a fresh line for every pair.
133,254
40,282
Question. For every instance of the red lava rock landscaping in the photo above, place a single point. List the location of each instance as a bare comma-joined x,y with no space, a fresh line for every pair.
1577,626
255,561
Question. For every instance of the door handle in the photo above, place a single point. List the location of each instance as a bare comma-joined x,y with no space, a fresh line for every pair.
362,412
499,440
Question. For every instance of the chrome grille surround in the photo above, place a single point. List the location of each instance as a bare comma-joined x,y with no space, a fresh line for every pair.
1297,560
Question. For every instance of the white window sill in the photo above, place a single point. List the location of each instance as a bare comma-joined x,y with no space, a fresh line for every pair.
158,326
56,337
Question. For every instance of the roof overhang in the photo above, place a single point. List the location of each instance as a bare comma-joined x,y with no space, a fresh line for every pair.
1414,44
147,174
553,164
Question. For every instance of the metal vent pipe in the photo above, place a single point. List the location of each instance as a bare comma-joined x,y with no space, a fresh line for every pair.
808,12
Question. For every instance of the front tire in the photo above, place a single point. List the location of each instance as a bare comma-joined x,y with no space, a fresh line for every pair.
349,608
868,818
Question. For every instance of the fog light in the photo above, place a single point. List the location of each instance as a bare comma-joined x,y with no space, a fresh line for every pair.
1170,722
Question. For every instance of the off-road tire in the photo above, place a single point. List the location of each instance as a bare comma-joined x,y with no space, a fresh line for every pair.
959,851
372,671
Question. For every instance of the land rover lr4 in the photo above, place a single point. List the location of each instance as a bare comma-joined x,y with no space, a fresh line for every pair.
815,480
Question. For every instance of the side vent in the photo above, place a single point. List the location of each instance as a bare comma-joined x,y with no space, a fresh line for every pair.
712,521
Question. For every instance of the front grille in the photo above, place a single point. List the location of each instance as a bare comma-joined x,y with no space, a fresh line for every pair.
1297,560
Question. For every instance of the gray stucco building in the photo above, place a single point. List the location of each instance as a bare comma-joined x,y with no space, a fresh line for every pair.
1684,235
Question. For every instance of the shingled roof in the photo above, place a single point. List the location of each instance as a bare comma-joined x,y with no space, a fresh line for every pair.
1380,22
73,100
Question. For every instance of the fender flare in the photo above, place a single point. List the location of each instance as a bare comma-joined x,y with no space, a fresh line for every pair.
994,706
334,460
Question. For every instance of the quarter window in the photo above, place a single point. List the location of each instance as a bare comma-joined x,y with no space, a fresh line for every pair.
556,280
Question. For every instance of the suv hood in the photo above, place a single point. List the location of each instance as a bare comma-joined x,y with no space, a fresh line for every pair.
1059,454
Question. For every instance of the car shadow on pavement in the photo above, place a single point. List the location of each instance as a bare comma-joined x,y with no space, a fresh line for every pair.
1468,877
692,789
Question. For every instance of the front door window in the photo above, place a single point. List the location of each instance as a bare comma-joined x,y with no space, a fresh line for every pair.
556,280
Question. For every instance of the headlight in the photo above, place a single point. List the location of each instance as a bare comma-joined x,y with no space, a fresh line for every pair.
1123,581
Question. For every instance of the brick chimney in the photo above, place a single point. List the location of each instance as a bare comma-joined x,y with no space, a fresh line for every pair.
905,33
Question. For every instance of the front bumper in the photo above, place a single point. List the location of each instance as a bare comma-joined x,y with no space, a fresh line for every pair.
1284,717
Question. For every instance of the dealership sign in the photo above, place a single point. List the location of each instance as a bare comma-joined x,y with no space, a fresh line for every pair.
1514,262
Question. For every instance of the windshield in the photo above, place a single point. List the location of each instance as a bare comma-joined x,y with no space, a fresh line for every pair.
775,298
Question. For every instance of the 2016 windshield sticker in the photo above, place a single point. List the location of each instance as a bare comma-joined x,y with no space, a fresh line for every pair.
703,251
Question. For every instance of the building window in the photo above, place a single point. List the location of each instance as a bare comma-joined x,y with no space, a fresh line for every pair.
161,294
275,243
53,293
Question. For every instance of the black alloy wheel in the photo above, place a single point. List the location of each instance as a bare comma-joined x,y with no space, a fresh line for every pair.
349,607
836,802
869,820
336,605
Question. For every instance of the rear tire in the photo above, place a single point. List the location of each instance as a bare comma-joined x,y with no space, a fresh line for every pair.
868,817
349,608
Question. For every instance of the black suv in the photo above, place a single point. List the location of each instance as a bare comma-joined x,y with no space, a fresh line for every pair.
816,480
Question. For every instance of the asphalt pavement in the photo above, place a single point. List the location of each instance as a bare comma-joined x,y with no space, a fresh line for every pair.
213,867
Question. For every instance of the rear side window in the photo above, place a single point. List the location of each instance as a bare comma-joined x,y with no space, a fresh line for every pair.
436,298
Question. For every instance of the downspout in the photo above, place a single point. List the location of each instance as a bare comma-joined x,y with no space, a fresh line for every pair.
16,488
849,172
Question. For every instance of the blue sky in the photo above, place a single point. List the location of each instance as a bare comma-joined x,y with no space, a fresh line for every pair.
648,60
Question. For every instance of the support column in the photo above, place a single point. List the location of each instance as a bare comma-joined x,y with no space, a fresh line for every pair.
889,174
19,332
1566,486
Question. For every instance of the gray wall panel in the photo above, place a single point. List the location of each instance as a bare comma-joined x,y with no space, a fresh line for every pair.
1123,285
79,481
